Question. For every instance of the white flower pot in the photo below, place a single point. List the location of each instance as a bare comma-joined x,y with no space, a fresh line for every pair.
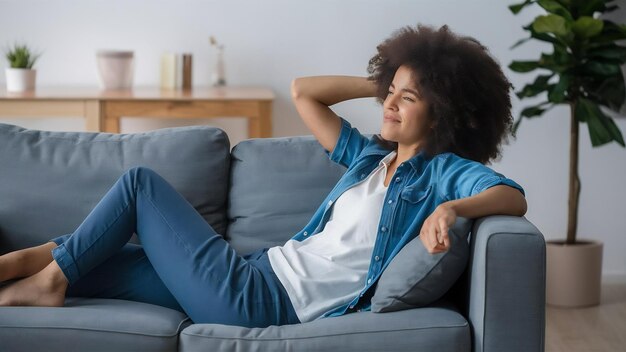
20,79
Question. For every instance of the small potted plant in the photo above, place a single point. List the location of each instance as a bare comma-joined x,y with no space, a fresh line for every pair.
20,75
582,72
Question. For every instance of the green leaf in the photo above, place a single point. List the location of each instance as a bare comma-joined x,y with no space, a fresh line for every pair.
608,91
520,42
561,56
600,68
523,66
548,61
20,56
539,85
551,24
587,7
543,36
516,8
554,7
587,27
611,32
556,93
529,112
602,129
610,51
533,111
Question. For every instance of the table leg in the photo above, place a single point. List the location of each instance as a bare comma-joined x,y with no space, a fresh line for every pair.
260,126
112,124
111,120
93,116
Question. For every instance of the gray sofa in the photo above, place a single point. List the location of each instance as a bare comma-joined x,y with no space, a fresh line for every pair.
259,194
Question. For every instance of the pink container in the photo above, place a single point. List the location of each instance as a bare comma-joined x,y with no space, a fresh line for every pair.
116,69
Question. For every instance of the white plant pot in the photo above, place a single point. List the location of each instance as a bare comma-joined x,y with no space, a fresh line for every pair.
20,79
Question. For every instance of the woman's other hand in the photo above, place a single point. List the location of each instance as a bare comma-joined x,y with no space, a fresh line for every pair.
434,232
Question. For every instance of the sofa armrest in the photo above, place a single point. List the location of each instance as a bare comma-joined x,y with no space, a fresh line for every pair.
507,282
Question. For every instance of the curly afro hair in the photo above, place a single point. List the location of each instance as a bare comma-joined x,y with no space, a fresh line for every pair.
463,85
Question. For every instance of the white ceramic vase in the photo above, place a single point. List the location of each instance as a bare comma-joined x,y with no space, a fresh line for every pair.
20,79
116,69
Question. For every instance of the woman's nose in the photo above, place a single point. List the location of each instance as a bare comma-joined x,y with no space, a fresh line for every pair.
390,102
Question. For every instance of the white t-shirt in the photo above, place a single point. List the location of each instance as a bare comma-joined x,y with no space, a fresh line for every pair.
329,269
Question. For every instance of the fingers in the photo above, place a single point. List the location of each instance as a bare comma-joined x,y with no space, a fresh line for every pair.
443,233
435,237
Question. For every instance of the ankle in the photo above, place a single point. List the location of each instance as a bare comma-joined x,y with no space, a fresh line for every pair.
56,275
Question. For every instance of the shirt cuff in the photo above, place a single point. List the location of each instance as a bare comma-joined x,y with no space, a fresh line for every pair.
497,180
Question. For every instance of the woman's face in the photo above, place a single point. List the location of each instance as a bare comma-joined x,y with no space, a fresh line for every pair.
405,112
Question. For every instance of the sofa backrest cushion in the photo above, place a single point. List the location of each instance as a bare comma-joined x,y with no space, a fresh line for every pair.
50,181
276,186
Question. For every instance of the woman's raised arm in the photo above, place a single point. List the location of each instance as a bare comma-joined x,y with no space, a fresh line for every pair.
313,95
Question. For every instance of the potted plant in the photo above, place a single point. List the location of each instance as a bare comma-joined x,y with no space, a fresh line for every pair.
20,75
583,71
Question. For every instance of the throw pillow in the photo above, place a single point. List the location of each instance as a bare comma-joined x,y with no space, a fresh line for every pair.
417,278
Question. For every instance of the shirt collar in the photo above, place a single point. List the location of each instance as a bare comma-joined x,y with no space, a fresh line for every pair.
388,159
414,161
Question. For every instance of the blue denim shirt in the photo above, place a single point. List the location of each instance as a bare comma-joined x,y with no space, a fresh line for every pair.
418,186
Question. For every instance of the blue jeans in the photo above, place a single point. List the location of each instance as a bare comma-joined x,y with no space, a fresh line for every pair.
182,263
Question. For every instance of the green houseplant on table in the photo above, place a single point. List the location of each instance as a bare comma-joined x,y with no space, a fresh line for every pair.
20,74
583,71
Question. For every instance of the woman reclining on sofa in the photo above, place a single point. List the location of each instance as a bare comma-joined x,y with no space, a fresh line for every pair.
446,110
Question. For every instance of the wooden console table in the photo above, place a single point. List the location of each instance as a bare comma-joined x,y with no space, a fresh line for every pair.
102,109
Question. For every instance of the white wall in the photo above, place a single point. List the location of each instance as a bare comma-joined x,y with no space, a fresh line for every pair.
272,41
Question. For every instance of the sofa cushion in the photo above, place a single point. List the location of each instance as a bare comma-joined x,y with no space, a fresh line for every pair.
50,181
417,278
438,328
91,324
276,186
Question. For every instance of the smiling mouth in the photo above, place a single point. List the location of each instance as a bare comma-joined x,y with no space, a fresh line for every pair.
391,119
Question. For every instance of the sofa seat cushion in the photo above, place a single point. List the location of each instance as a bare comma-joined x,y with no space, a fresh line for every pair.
439,327
91,324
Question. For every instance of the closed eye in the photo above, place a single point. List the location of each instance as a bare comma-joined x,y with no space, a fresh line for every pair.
405,98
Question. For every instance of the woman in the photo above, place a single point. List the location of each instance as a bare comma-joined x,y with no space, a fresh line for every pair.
446,109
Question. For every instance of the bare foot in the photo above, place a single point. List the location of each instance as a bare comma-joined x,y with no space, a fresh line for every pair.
25,262
45,289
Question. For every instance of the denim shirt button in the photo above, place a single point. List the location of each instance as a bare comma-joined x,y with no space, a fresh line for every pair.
383,229
362,175
369,281
398,179
377,258
390,201
306,233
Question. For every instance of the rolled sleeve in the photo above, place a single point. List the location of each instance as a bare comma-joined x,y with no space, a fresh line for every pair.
461,178
497,179
349,145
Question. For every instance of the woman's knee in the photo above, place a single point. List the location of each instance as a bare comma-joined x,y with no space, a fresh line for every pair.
141,171
138,173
